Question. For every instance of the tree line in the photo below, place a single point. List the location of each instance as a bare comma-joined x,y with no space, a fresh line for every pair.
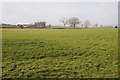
73,21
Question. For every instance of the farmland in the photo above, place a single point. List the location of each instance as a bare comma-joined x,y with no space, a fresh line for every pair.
60,53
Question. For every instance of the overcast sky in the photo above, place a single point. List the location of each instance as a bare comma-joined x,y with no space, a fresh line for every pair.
105,13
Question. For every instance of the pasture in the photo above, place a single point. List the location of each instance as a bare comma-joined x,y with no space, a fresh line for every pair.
60,53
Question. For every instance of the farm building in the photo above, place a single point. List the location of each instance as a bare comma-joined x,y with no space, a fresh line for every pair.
39,24
34,25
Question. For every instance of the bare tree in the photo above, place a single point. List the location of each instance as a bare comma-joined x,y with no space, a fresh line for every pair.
64,21
86,23
73,21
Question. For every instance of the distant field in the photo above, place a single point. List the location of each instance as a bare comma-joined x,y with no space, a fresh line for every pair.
60,53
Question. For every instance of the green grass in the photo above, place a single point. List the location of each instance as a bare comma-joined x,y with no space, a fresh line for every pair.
60,53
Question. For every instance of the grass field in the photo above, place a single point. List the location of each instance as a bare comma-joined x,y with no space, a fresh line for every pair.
60,53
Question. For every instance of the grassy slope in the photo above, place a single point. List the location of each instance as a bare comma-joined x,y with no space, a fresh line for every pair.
56,53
